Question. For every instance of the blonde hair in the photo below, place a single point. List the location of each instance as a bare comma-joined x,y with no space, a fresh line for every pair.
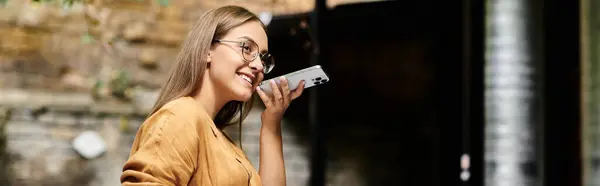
185,78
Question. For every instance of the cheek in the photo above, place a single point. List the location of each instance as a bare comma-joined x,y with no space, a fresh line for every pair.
225,65
228,57
222,72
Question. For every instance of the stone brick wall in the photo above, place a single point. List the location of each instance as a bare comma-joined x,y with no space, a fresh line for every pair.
76,47
41,129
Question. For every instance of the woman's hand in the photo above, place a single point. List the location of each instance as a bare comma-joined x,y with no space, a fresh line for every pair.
279,102
272,166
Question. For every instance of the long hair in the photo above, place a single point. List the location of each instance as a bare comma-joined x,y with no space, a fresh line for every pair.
185,78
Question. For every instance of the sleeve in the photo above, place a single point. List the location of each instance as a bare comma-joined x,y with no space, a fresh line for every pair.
166,152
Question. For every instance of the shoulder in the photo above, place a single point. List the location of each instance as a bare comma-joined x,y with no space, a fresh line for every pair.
178,117
185,107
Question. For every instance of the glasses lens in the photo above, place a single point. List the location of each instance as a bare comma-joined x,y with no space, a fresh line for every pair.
268,63
250,50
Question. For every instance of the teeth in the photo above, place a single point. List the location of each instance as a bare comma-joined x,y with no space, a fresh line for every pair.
248,79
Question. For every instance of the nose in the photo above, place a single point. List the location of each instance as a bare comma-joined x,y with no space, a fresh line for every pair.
257,65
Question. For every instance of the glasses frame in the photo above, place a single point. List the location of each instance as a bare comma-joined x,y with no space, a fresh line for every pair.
266,68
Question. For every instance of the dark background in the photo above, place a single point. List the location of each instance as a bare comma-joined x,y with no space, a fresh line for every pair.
405,97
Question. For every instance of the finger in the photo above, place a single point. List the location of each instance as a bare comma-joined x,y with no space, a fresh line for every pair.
296,93
263,96
285,90
277,97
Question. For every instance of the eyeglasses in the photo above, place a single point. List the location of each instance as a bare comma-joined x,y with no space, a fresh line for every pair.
250,53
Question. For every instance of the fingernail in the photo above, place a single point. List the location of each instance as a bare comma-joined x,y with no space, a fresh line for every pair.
273,81
282,78
257,88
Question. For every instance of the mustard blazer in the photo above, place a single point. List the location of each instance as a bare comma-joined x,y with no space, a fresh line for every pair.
180,145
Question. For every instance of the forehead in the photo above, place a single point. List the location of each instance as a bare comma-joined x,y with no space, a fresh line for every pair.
254,31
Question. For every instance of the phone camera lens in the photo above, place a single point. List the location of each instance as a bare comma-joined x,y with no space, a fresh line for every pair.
324,81
318,79
317,82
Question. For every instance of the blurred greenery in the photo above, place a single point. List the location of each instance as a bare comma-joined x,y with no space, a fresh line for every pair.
67,2
119,84
64,3
163,2
87,38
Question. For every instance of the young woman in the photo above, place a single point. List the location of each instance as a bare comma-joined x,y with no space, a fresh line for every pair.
214,77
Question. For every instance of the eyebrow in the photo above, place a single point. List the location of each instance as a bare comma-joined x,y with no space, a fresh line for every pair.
250,39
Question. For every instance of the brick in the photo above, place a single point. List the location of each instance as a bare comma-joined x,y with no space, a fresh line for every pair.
89,121
65,119
63,133
24,129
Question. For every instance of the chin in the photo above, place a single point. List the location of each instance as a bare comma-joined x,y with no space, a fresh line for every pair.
243,95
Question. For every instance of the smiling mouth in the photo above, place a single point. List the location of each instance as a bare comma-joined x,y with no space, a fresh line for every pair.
246,78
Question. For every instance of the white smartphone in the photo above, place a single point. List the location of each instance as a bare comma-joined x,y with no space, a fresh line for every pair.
312,76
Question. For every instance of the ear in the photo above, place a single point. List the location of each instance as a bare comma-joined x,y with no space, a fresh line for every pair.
208,58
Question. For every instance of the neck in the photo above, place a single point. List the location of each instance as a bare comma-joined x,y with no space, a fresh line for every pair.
209,99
